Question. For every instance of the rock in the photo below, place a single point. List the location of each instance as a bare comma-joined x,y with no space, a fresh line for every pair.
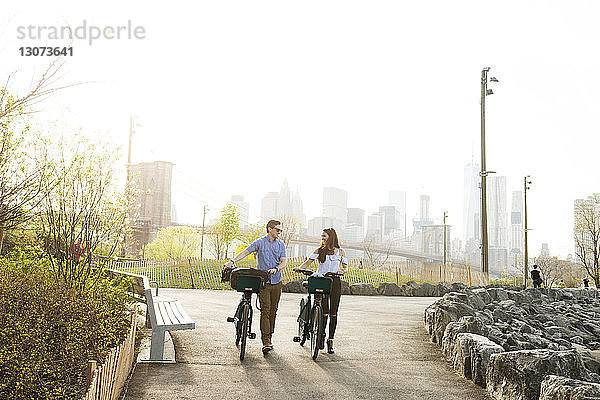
389,289
345,287
425,290
468,324
363,289
443,288
294,287
442,312
473,355
518,374
590,358
560,388
497,294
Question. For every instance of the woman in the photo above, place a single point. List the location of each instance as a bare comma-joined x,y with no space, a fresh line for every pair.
331,259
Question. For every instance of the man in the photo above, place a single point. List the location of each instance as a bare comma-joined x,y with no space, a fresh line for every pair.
536,277
270,252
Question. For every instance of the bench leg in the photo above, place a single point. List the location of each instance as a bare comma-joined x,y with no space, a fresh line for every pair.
157,344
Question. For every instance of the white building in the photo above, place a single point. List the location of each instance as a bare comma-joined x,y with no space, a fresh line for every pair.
516,224
242,208
335,206
472,203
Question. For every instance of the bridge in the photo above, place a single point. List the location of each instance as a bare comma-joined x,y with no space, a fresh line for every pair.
380,248
374,247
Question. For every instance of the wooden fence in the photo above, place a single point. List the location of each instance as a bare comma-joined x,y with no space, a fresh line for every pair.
206,274
107,380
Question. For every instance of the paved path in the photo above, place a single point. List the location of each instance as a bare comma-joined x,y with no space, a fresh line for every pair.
382,352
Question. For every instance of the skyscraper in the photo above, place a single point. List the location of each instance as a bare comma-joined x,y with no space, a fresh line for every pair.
375,227
472,204
497,212
397,198
391,219
516,223
335,206
497,224
242,207
269,207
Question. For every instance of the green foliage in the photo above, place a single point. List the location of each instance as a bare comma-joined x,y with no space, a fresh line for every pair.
85,213
49,331
174,243
225,231
206,274
253,232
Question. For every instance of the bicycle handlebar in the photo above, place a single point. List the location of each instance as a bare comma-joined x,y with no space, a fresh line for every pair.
308,272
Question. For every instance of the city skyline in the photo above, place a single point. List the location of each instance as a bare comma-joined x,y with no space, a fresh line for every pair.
337,94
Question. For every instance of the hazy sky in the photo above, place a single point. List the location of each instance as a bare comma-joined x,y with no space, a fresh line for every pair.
366,96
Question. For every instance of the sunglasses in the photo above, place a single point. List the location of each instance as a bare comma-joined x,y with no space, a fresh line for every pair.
278,230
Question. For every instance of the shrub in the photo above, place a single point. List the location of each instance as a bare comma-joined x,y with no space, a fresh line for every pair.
49,331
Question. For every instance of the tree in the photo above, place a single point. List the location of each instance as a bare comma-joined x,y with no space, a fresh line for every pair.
376,253
174,243
552,269
587,235
252,233
291,229
224,231
83,214
22,184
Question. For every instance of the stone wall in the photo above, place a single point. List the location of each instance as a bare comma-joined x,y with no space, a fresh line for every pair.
410,288
510,341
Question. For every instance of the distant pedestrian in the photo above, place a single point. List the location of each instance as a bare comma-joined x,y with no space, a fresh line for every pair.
586,283
536,277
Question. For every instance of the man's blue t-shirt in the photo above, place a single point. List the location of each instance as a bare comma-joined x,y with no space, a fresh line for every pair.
269,254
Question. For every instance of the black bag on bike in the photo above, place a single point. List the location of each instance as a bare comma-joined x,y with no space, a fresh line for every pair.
319,284
244,279
226,274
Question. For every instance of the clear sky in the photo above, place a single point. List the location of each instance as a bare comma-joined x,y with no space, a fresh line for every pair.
366,96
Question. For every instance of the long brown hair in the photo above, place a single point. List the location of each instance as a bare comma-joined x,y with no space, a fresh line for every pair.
329,246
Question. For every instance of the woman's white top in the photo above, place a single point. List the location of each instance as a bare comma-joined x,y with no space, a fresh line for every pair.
332,262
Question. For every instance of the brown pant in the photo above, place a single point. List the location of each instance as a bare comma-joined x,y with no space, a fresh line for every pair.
269,301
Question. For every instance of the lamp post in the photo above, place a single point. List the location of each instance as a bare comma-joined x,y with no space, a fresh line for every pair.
526,187
484,234
445,215
202,239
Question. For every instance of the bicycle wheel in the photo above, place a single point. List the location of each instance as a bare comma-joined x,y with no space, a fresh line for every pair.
244,333
238,325
316,331
303,321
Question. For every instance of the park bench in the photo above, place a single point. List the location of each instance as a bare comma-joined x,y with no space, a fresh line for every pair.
162,313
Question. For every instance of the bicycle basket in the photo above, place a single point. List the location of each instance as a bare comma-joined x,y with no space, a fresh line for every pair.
318,284
246,279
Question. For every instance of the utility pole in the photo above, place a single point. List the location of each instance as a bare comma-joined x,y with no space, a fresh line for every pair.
484,172
445,215
526,182
202,239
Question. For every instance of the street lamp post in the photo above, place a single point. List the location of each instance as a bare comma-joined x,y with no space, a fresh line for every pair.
484,234
445,215
202,239
526,187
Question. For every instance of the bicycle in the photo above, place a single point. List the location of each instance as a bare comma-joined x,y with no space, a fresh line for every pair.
247,281
311,322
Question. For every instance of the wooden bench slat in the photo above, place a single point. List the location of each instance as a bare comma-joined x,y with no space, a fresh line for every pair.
158,314
185,317
176,310
164,315
169,311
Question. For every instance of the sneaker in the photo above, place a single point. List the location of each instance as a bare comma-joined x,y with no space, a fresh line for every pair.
267,348
330,346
